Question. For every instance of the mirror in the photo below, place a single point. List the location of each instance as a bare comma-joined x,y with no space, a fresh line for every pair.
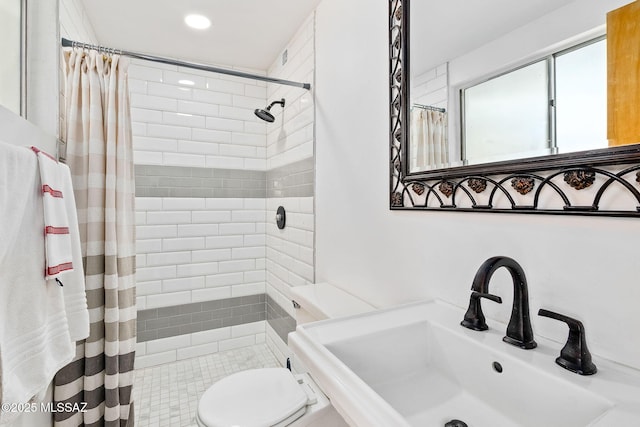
11,42
450,61
539,89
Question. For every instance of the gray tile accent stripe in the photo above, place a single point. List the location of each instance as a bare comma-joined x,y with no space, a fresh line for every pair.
279,319
179,181
293,180
182,319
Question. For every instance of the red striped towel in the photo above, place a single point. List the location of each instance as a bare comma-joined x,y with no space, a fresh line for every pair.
58,251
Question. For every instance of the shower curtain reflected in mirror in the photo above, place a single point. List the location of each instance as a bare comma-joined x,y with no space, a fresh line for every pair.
429,148
99,153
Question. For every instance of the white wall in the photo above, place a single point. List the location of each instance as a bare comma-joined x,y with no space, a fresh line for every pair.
584,267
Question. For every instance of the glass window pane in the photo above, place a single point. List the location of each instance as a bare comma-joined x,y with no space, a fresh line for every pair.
507,117
581,98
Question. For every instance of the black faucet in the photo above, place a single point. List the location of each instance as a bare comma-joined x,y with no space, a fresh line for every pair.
519,331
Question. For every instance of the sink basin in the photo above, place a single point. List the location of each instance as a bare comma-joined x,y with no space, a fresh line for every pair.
415,366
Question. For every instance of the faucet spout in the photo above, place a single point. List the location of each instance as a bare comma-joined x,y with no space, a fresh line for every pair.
519,331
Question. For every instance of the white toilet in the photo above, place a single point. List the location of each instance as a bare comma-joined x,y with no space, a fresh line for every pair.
274,397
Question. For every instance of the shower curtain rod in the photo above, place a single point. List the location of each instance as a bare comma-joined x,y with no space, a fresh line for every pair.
71,43
429,107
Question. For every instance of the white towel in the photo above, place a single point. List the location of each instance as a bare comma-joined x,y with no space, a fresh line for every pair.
56,222
63,251
34,335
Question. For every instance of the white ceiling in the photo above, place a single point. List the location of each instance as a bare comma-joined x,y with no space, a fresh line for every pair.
252,33
244,33
460,26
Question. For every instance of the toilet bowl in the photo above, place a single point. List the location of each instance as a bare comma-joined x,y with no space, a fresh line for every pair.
275,397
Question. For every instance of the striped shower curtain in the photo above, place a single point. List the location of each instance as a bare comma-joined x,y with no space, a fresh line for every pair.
429,148
97,132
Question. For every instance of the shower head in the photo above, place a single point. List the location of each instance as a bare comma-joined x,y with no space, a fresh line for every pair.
265,114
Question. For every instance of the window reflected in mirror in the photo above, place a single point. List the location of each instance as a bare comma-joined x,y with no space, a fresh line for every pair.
555,105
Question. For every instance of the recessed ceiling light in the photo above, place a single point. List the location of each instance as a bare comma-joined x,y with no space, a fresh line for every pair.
199,22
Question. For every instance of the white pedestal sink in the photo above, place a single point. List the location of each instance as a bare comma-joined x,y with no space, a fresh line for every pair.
415,365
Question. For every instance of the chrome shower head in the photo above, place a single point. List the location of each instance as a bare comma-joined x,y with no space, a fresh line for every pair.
265,114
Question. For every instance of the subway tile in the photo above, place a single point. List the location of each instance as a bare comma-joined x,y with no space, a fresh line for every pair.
169,217
215,242
143,336
201,269
175,78
147,314
145,115
191,327
248,329
193,147
168,299
212,97
168,131
194,230
190,308
148,204
255,91
244,114
210,293
148,246
249,139
168,311
225,204
237,228
153,102
236,266
217,135
156,231
182,203
169,91
211,255
141,72
147,274
248,289
179,320
206,337
218,85
223,124
225,279
198,108
248,253
172,343
182,159
155,359
182,283
197,350
237,150
224,162
236,343
148,288
183,119
156,324
183,243
211,217
145,143
147,158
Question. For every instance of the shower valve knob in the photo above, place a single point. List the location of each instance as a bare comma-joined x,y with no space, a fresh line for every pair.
281,217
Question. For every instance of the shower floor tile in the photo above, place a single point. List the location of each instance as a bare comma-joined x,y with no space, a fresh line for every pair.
167,395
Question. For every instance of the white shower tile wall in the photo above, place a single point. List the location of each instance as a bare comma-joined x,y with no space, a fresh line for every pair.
431,87
184,117
293,139
199,249
290,252
186,346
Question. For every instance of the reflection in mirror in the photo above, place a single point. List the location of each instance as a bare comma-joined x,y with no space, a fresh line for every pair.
10,46
551,53
530,81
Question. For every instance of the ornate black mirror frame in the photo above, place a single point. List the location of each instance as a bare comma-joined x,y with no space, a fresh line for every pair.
507,187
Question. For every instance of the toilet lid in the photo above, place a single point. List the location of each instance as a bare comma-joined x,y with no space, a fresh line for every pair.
252,398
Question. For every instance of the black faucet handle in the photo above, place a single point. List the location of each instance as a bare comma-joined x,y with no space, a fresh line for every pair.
474,318
494,298
575,355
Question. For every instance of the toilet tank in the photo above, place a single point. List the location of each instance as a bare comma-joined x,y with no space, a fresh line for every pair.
321,301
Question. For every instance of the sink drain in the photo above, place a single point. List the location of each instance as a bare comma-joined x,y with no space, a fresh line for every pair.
456,423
